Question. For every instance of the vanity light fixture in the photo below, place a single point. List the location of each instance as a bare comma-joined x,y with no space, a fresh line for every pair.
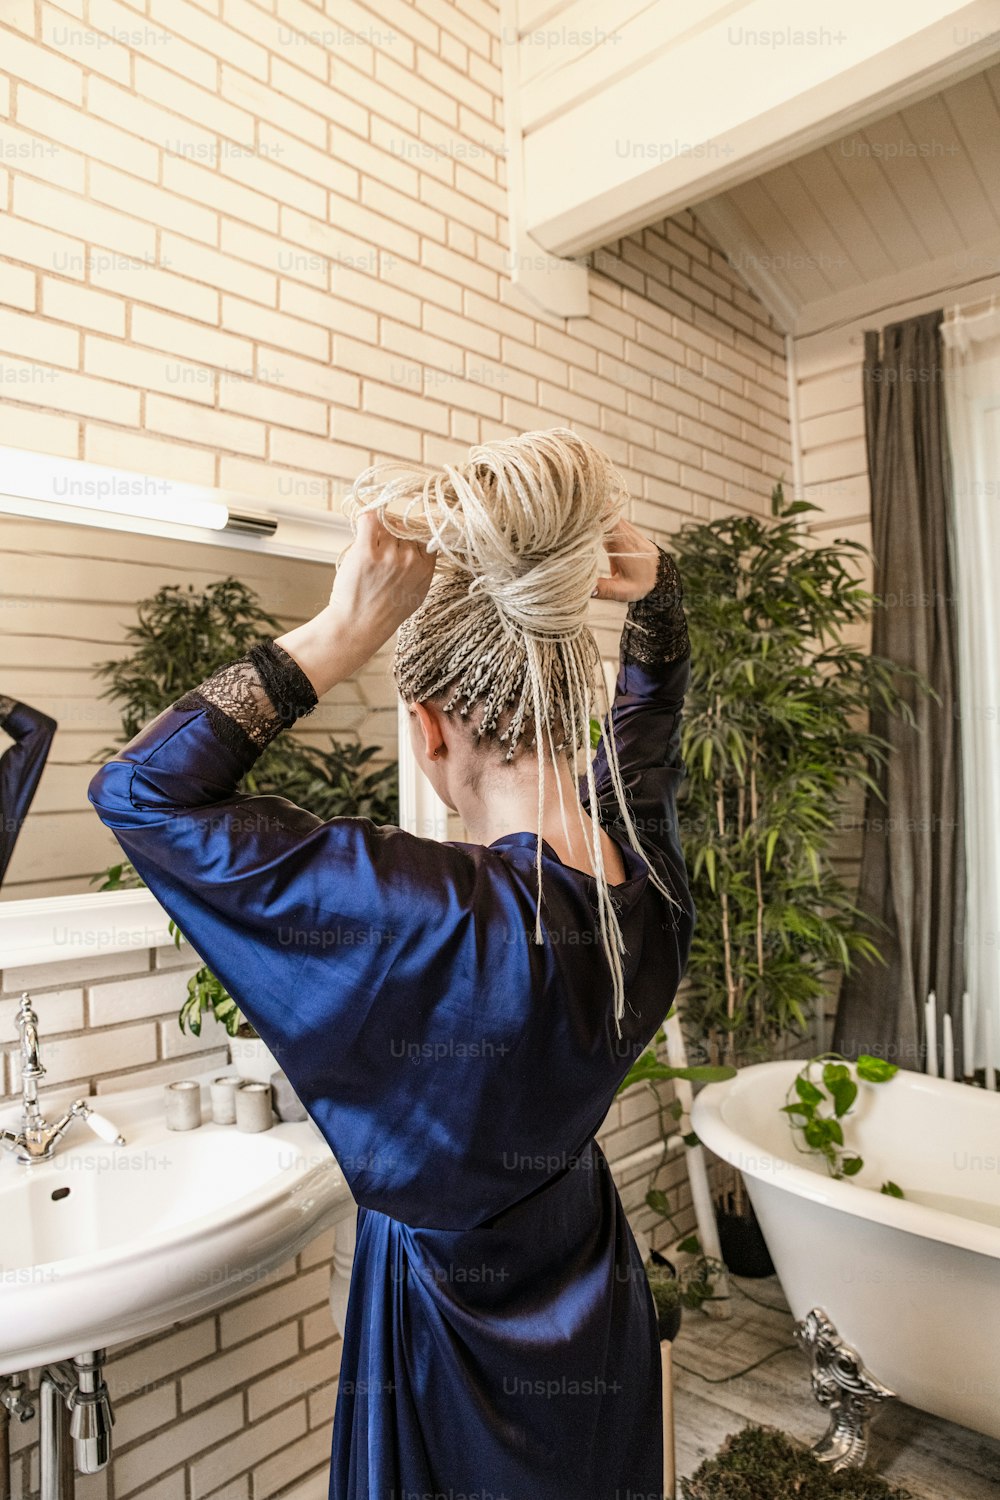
251,525
46,487
39,484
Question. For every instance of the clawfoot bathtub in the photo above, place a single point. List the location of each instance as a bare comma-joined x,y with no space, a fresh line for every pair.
893,1296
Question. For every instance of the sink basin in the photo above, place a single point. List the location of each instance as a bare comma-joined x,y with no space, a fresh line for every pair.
106,1243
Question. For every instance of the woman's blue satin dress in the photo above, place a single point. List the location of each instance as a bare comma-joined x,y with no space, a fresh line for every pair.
501,1341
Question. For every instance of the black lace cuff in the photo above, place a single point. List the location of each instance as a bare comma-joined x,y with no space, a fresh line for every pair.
656,626
7,706
250,701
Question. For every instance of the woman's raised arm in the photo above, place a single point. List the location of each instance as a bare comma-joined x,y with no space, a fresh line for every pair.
654,672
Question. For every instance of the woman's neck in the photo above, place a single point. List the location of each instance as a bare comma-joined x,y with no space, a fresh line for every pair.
508,803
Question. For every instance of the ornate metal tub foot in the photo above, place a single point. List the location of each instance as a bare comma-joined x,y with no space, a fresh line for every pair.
841,1383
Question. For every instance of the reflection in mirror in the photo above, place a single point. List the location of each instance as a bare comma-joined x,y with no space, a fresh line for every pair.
74,599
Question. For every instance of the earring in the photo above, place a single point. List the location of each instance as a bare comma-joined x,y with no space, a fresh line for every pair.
437,752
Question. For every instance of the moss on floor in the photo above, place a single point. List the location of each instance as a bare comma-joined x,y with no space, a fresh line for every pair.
761,1463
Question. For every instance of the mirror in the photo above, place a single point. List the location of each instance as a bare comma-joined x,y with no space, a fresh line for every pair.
68,595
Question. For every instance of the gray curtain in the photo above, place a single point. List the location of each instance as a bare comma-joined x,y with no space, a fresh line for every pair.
913,851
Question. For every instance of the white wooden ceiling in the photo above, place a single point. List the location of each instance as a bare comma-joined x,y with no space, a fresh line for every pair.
901,209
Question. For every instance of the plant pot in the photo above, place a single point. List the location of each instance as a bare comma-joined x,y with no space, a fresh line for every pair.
668,1322
253,1059
744,1248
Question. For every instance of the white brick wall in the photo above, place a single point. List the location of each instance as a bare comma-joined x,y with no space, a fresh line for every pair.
308,205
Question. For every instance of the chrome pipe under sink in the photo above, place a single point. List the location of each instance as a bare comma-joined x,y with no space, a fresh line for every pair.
75,1424
55,1459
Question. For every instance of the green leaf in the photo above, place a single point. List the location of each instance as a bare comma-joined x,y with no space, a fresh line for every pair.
844,1092
690,1246
691,1139
704,1073
822,1132
797,507
772,839
875,1069
808,1092
851,1165
891,1190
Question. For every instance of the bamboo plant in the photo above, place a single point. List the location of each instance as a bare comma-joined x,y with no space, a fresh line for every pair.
180,638
774,739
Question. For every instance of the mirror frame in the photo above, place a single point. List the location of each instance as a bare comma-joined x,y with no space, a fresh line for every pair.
52,929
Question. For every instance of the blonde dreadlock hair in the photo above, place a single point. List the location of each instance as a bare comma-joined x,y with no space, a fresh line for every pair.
503,628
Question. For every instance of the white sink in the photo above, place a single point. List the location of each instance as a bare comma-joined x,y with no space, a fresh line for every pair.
106,1243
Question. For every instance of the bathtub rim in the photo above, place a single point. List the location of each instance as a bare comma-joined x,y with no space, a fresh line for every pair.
844,1196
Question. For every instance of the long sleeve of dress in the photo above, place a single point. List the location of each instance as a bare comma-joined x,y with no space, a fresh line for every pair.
654,673
355,950
21,768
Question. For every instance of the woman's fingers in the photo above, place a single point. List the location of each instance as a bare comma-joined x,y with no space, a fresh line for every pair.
633,558
618,589
370,531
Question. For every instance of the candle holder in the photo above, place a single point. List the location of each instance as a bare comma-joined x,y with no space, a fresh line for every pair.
223,1092
183,1104
287,1104
253,1108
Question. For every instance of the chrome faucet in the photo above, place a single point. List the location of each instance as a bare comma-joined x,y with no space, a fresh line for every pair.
37,1140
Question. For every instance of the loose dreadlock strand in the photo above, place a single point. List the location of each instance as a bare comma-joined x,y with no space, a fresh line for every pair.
503,629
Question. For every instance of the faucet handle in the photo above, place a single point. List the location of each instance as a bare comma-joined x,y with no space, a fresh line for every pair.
99,1124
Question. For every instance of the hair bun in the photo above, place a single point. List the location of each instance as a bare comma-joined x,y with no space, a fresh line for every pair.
523,518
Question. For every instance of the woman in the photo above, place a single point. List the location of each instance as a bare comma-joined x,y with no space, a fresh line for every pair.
21,768
444,1010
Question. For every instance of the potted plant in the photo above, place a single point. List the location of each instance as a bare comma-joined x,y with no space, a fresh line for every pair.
774,738
180,638
667,1295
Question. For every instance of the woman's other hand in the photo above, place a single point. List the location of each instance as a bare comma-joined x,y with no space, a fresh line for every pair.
633,558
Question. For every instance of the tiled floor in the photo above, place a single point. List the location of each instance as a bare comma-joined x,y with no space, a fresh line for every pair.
934,1460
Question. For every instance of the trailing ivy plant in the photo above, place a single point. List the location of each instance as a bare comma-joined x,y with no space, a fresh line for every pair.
816,1113
774,736
697,1280
181,637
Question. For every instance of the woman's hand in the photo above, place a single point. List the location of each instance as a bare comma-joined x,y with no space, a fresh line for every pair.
633,559
379,582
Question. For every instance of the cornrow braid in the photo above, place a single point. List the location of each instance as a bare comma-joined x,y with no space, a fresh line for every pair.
503,628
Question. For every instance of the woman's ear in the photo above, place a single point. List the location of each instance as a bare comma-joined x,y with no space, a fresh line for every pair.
430,728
